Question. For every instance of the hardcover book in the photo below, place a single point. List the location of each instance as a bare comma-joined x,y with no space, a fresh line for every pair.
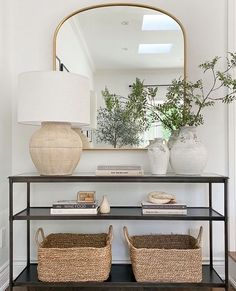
119,173
165,211
119,167
75,211
149,205
119,170
70,204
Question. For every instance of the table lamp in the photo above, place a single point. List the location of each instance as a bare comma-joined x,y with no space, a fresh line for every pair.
55,100
93,122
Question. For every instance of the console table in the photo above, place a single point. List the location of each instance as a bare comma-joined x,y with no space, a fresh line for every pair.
121,274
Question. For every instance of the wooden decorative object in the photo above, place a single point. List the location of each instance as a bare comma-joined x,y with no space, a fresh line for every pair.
86,196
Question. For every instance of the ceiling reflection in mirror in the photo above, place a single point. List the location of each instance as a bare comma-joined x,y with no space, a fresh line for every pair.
124,51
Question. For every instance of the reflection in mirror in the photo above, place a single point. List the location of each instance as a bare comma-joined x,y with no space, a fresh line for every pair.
123,50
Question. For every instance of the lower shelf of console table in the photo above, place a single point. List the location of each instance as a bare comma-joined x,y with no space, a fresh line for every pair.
121,276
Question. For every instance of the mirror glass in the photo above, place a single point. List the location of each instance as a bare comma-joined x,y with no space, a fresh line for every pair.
119,48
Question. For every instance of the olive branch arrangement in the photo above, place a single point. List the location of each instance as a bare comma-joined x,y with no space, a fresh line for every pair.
185,100
124,118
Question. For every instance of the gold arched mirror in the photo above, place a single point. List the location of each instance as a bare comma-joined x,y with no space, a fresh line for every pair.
117,46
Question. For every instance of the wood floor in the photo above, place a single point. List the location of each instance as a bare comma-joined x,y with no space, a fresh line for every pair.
116,289
233,256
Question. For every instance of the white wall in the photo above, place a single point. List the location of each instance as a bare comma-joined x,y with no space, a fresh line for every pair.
232,130
5,133
5,123
34,25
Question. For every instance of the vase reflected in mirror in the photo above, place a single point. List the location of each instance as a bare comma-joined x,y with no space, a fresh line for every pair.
159,154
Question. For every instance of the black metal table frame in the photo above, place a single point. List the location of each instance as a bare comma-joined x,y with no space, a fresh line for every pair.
207,179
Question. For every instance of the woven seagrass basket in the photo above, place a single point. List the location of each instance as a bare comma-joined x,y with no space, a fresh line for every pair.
68,257
165,258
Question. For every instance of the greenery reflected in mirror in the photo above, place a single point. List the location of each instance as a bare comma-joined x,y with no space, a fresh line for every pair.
124,120
126,51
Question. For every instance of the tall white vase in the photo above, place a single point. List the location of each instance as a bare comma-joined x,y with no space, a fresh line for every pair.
188,156
159,154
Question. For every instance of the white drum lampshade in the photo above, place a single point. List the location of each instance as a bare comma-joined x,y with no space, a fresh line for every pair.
55,100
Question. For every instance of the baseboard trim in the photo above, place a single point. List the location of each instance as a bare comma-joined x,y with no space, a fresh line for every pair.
4,276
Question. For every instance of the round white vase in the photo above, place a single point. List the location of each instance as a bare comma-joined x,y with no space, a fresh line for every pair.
159,154
188,156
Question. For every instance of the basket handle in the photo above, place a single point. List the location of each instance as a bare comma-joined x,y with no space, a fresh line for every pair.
39,231
199,237
126,234
110,234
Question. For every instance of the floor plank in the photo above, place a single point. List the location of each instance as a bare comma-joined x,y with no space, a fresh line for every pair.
232,255
115,289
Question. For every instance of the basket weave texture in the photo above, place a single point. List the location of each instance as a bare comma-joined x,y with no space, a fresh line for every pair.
67,257
165,258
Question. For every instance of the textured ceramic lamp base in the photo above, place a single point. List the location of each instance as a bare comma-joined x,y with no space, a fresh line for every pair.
55,149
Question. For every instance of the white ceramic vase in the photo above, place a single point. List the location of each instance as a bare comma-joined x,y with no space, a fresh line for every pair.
159,154
188,156
104,207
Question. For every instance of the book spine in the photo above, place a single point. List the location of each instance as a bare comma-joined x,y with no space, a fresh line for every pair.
164,206
164,211
74,206
119,168
119,173
73,211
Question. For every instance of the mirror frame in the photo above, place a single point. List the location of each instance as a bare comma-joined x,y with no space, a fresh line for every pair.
112,5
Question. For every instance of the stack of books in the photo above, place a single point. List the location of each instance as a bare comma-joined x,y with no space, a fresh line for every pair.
119,170
74,207
165,209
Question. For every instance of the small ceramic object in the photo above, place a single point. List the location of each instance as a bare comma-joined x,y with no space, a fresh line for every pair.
104,207
159,197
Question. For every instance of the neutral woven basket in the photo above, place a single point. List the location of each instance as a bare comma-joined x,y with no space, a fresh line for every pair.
68,257
165,258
